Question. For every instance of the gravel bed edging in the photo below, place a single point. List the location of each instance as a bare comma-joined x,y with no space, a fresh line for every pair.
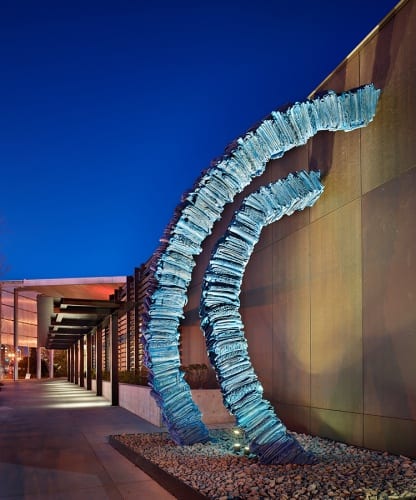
214,470
175,486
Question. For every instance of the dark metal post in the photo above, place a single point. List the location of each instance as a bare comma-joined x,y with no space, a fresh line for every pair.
137,317
81,361
114,359
76,355
99,354
68,364
72,363
16,334
89,361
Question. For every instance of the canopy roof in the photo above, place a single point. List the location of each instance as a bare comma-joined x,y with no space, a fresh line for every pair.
83,288
72,318
75,306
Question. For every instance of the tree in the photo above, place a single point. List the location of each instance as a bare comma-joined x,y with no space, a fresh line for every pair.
60,363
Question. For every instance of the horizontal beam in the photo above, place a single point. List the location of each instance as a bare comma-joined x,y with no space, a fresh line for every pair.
79,311
61,347
64,338
74,322
70,330
65,302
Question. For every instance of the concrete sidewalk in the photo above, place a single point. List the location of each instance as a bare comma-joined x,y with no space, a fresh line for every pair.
53,445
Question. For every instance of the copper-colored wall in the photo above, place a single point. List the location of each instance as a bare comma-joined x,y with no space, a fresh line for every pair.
329,296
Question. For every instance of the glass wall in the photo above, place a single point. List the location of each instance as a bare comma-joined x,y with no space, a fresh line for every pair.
14,350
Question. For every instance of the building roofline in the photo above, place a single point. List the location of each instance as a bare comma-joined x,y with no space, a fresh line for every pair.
74,281
363,42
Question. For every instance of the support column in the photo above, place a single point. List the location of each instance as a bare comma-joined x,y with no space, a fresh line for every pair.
73,363
89,361
99,354
51,359
81,361
114,359
38,362
68,364
137,319
44,313
16,333
130,298
76,371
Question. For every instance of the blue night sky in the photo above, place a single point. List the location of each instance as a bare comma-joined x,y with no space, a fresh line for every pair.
111,109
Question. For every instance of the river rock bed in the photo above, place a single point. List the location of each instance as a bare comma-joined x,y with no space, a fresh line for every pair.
217,471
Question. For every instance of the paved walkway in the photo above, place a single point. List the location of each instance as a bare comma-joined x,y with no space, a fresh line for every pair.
53,445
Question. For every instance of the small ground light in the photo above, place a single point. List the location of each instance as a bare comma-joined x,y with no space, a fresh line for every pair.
246,450
237,444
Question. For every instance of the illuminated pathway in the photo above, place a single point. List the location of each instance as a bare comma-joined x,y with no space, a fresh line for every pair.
53,445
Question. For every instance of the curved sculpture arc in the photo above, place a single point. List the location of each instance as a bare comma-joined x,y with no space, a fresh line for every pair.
173,262
222,324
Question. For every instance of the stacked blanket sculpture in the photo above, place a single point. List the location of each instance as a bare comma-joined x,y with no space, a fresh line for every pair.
193,220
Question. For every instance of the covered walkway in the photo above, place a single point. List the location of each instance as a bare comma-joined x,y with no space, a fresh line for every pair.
53,445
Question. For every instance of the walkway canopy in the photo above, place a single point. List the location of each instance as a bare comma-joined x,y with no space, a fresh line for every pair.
72,318
34,312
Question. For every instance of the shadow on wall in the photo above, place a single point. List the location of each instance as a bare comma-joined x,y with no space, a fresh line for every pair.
389,234
389,40
257,297
388,43
387,399
321,158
